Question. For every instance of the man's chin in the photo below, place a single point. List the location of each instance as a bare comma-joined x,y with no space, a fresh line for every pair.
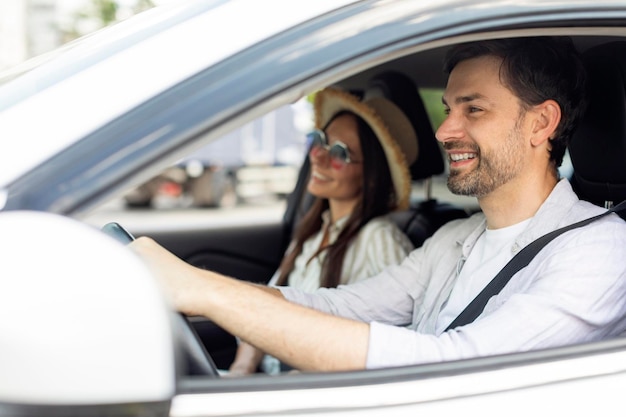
464,193
457,188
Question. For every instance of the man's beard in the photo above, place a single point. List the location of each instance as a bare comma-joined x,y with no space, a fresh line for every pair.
494,168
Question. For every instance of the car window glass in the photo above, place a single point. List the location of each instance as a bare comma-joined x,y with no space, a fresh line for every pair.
254,166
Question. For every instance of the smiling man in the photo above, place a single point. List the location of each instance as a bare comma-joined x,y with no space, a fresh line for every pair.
512,106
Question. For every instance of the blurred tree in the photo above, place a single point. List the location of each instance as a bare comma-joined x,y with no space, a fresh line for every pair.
434,106
141,5
96,14
105,11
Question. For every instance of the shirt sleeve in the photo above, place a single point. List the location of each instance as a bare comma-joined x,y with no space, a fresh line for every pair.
391,296
388,297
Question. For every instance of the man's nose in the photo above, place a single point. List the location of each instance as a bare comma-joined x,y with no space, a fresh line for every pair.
450,128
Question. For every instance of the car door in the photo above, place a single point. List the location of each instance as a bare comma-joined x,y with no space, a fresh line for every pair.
219,99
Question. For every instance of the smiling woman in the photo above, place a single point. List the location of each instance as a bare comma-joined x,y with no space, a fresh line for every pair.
359,155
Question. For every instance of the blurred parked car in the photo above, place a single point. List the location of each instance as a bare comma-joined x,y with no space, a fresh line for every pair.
85,330
259,160
192,183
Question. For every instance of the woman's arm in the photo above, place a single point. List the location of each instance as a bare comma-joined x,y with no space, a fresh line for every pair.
247,360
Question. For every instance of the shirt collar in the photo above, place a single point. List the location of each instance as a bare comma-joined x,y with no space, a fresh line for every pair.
337,227
555,208
550,214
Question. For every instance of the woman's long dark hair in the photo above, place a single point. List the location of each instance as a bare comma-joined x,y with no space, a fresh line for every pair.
378,197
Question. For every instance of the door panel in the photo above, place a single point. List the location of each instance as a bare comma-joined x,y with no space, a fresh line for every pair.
247,252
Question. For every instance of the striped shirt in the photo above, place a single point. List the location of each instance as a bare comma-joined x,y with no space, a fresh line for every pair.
379,244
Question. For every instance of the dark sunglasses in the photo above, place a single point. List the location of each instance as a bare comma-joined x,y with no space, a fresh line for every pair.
338,152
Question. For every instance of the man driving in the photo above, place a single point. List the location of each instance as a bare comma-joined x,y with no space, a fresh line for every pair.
512,106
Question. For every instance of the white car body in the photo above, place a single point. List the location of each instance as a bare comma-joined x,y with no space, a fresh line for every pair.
132,84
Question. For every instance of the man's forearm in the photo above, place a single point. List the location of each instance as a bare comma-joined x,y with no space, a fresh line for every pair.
269,290
301,337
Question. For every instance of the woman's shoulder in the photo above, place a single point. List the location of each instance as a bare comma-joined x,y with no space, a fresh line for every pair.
384,228
379,244
380,224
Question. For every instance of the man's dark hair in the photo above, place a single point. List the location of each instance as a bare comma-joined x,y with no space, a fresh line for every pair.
535,70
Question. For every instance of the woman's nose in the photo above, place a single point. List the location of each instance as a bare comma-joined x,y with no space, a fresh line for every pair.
318,155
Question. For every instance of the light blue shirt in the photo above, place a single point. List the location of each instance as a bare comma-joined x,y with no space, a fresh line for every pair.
573,291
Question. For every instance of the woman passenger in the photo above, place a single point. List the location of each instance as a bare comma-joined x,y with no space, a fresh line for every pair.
360,155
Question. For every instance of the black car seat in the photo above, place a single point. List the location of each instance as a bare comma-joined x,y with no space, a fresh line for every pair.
598,148
425,215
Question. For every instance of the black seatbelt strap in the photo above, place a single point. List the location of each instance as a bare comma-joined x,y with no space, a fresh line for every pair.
519,261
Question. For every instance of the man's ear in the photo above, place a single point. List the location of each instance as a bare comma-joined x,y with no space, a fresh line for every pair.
547,117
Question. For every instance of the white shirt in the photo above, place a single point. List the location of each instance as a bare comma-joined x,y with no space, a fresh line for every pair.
573,291
490,254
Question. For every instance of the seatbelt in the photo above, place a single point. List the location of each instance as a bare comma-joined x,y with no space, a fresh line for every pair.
519,261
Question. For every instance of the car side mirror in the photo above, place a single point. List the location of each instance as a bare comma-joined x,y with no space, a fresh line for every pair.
83,323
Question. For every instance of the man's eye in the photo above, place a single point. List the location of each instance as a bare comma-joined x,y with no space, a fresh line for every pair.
473,109
446,111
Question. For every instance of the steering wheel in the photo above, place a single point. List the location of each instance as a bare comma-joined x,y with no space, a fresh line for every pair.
198,360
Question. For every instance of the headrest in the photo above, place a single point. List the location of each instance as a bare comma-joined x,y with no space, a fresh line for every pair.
598,148
400,89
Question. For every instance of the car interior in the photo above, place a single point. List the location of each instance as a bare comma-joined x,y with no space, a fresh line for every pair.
597,151
598,148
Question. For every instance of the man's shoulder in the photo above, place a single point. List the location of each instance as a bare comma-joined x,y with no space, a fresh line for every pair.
607,230
583,210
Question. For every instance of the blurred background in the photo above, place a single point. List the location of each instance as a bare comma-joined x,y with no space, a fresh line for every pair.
259,165
32,27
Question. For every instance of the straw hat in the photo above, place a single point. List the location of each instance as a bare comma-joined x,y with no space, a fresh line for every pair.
390,125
